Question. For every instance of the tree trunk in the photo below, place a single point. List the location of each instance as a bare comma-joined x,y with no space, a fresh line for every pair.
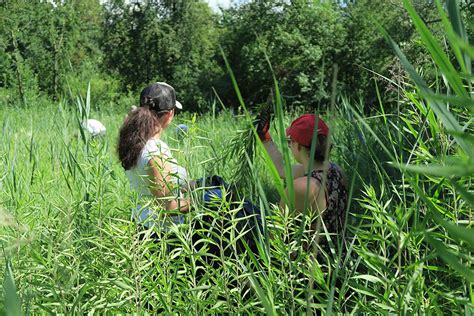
56,54
19,78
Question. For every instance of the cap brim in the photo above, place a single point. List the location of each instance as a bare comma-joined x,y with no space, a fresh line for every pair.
178,105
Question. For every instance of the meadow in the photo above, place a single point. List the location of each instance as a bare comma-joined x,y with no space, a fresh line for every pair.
70,247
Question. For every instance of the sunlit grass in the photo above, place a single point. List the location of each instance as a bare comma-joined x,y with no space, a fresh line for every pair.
69,245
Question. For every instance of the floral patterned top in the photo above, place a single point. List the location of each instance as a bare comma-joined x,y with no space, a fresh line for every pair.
336,196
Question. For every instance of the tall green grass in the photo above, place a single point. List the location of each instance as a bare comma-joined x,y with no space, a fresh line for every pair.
69,245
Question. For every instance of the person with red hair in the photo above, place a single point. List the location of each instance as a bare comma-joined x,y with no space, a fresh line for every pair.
327,191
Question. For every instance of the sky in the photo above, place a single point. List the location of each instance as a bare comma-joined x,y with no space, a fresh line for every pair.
214,4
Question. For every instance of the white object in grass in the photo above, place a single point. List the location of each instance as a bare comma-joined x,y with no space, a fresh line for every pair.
94,127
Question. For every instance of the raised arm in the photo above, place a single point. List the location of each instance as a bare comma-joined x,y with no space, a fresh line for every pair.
263,130
277,158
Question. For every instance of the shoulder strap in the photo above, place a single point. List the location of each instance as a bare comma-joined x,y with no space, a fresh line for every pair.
315,174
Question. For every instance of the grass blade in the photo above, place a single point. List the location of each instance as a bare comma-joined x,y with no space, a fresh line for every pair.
448,171
12,300
458,232
440,109
436,51
451,259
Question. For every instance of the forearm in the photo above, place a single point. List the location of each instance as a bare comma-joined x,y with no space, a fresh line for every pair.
170,201
178,204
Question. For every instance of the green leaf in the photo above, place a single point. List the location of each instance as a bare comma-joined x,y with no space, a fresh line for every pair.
461,233
457,232
437,52
456,20
450,25
264,299
468,196
465,47
440,109
451,99
275,176
122,285
12,300
451,259
368,277
290,199
88,101
234,81
448,171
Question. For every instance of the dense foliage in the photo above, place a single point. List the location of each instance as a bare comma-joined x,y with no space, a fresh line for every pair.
162,41
57,47
47,47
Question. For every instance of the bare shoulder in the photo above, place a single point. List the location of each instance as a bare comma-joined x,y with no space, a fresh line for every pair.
298,171
300,184
307,191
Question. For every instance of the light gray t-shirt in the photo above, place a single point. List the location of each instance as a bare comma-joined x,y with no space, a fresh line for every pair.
140,182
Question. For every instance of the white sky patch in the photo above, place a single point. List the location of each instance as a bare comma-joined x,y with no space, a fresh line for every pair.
215,4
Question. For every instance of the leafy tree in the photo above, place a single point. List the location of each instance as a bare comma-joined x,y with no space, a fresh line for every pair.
302,40
196,68
16,73
366,55
44,41
59,46
167,40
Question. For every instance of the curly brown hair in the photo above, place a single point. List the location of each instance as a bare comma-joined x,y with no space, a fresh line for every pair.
138,127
